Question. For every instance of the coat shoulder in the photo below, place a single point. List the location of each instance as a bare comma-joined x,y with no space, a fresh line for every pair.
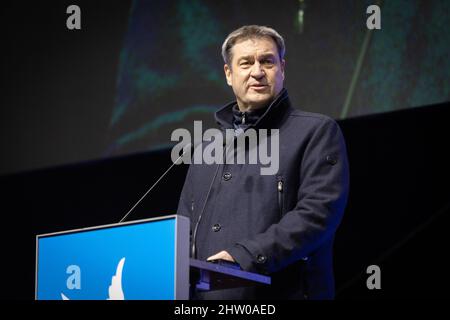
312,118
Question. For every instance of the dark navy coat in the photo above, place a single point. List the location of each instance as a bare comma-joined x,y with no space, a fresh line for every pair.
282,225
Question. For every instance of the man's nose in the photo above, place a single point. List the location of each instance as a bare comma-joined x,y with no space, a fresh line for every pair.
257,71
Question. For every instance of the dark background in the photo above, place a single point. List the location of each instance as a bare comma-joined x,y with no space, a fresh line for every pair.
139,69
56,86
396,218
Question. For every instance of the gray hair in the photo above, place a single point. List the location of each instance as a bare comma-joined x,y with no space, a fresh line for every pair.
249,32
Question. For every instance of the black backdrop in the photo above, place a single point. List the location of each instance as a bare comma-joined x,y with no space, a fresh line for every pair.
397,214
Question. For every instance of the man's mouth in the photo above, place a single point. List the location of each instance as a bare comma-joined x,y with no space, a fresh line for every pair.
258,86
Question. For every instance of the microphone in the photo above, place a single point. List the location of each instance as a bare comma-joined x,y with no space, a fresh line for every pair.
185,148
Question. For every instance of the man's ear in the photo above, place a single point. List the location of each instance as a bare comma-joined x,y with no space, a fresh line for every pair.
227,70
283,64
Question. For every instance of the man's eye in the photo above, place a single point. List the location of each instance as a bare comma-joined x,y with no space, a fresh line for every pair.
244,63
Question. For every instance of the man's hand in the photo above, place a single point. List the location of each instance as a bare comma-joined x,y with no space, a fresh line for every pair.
221,255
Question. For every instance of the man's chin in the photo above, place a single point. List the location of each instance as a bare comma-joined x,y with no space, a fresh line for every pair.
259,100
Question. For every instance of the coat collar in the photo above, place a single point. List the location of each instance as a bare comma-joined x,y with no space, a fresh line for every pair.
269,119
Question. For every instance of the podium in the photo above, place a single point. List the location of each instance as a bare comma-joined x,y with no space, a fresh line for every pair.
137,260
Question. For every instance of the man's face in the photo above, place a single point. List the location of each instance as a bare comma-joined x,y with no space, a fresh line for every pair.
256,74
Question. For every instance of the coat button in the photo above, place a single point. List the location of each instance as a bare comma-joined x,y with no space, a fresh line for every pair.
331,160
216,227
227,176
261,259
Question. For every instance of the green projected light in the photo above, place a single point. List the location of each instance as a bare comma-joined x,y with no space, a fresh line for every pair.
171,71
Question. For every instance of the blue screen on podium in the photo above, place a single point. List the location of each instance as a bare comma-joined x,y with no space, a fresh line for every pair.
131,261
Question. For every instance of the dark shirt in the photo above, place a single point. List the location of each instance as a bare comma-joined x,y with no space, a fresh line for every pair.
244,120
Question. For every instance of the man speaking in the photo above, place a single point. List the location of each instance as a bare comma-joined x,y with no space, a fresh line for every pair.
283,224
